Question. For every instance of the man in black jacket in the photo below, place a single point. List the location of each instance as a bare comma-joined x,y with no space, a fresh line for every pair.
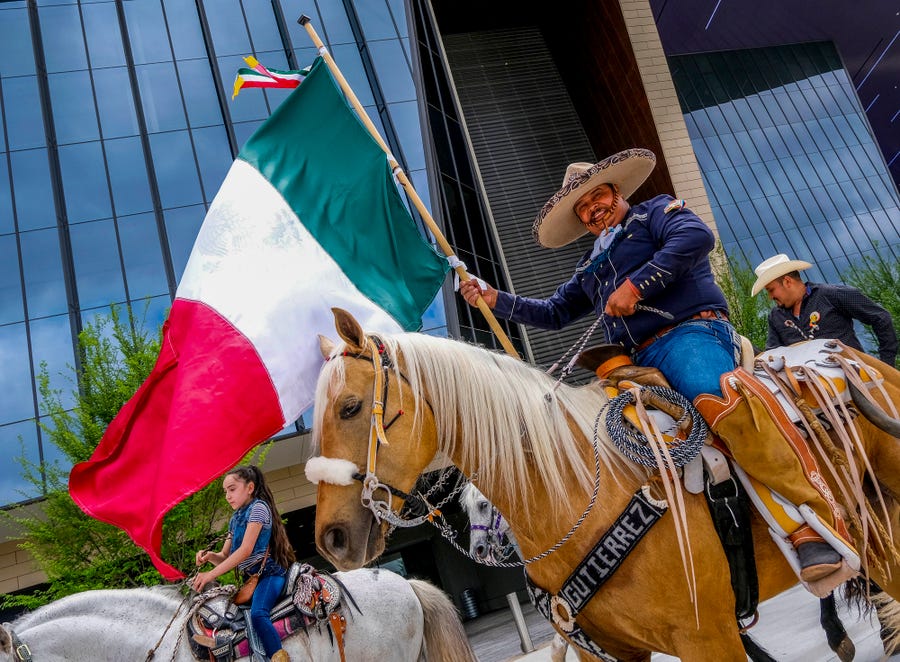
819,310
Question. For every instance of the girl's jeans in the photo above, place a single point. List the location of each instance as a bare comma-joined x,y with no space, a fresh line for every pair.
264,597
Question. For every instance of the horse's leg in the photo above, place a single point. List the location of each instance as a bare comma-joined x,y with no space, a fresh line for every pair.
837,637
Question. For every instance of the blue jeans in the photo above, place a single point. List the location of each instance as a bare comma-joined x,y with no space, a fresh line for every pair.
264,597
693,356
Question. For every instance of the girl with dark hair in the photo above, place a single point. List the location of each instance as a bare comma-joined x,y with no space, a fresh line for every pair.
256,543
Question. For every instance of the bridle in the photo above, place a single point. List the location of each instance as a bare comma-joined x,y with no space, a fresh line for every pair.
382,508
495,534
20,650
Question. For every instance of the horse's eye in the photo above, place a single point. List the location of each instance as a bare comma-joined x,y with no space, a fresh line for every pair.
483,506
351,408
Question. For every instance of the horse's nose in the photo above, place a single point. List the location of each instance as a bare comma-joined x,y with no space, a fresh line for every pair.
335,541
480,550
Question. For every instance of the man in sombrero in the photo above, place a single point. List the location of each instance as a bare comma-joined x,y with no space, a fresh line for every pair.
654,256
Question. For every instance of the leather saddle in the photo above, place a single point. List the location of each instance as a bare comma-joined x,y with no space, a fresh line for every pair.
217,630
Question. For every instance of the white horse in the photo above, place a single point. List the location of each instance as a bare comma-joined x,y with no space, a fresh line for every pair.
490,540
399,620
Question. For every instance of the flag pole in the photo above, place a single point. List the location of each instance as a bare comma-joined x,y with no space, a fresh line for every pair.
407,185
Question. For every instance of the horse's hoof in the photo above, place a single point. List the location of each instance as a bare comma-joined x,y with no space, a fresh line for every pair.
845,650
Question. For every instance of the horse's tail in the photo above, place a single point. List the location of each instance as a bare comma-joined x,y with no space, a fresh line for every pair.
888,611
445,637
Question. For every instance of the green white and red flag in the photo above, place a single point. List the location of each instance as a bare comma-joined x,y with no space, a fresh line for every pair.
259,76
309,217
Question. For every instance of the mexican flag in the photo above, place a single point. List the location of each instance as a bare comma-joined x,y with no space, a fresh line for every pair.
308,218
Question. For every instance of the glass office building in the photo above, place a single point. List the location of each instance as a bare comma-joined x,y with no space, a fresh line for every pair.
787,156
116,129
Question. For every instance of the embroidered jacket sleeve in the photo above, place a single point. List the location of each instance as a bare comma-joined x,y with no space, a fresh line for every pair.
856,305
683,240
568,303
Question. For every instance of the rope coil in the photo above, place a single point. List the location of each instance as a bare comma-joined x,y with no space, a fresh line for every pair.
633,443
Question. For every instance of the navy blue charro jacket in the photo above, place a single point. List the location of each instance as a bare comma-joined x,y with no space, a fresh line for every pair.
666,256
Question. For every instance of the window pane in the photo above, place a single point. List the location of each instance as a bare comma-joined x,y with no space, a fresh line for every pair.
141,251
84,182
101,25
393,71
229,32
31,183
116,103
24,121
74,113
147,29
16,383
161,97
405,117
263,29
182,227
214,156
51,341
334,24
16,53
128,174
11,309
376,20
98,272
176,169
184,27
200,93
45,289
61,27
6,210
14,488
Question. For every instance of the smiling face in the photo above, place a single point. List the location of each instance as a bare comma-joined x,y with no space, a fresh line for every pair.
786,291
600,208
238,493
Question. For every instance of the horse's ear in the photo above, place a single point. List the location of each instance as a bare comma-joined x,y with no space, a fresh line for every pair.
349,330
326,346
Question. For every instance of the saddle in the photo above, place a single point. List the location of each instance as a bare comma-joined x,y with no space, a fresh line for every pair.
813,372
217,630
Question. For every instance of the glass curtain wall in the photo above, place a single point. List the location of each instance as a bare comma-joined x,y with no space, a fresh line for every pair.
787,156
116,129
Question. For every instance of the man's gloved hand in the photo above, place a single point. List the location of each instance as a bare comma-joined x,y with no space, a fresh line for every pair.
621,302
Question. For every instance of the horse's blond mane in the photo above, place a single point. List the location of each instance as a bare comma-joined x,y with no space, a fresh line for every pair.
498,409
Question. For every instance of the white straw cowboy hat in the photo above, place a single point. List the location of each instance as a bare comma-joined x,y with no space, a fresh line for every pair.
775,267
557,225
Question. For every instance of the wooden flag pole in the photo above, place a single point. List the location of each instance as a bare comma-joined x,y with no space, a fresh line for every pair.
407,185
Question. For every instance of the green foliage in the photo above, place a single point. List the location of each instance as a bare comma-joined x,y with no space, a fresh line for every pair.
75,551
879,279
749,315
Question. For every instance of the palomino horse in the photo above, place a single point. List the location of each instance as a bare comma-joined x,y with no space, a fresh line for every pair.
492,543
530,443
399,620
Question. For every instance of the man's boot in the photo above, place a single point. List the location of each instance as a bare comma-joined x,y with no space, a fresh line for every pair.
281,656
768,447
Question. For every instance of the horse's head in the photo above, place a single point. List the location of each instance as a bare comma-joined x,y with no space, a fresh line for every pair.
488,529
375,437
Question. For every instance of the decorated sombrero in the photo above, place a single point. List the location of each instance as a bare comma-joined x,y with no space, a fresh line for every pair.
775,267
557,225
